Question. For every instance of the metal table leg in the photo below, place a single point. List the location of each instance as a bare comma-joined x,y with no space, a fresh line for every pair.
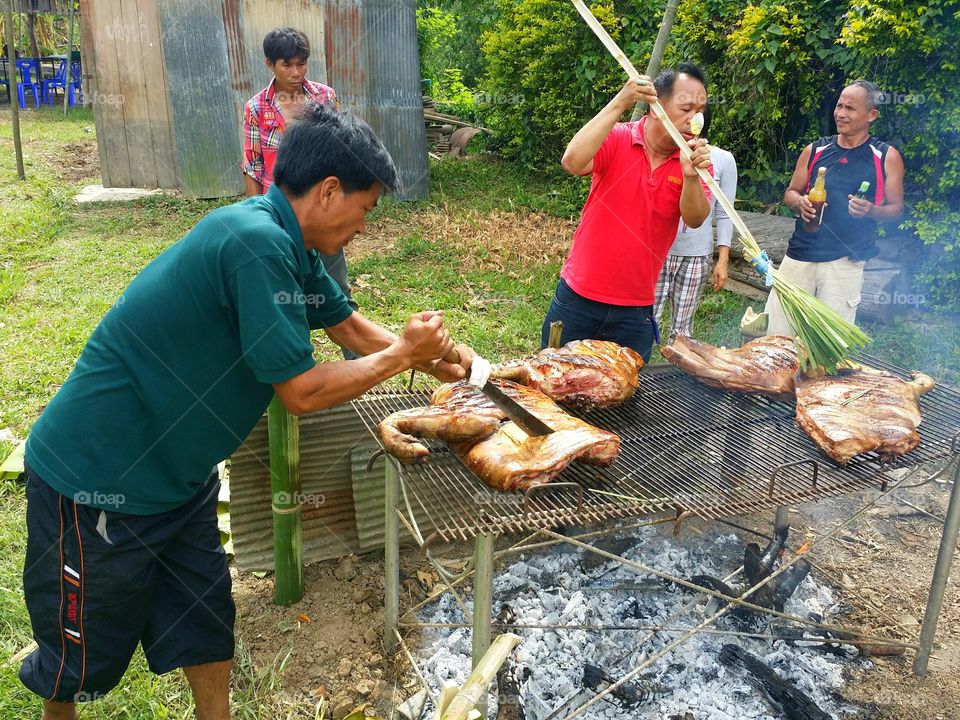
391,560
941,573
482,602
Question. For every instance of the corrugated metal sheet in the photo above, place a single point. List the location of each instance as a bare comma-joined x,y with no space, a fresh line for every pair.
327,440
368,498
396,103
345,48
208,146
248,21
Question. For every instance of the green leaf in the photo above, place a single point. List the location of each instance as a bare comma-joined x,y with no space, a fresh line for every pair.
770,64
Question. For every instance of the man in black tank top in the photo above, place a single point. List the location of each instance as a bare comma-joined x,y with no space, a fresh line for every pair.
829,263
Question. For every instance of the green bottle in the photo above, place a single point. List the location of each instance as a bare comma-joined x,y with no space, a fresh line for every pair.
862,192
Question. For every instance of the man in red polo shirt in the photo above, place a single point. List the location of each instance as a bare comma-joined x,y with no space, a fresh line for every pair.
286,51
641,188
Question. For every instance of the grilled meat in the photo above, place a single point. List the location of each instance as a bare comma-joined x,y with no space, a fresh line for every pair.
765,366
861,410
582,373
499,453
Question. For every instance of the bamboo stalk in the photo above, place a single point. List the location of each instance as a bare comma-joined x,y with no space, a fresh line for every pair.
284,434
827,339
476,686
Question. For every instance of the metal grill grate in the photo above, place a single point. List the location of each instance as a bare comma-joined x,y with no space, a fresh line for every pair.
685,447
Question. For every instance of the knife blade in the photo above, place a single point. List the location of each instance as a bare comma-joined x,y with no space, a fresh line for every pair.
521,417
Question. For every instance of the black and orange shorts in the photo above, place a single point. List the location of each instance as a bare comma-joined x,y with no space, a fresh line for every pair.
97,583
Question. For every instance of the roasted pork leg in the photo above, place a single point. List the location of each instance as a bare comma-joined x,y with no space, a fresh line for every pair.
582,373
503,456
861,410
765,366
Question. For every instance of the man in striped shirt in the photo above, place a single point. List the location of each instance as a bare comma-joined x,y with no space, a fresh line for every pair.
286,51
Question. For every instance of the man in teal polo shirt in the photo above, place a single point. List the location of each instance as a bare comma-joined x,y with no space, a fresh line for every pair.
123,546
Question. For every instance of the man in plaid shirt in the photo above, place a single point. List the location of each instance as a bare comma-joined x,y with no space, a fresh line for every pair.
265,116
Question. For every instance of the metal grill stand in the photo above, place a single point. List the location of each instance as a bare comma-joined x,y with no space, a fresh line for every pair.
690,426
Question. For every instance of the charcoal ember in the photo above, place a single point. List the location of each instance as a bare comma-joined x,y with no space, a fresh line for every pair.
629,693
787,699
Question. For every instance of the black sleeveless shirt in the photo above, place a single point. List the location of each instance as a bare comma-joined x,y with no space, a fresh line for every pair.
842,235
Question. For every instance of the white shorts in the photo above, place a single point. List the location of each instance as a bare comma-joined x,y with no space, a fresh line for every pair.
837,283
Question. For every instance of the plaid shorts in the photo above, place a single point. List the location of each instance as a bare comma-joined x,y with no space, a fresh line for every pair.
98,582
682,281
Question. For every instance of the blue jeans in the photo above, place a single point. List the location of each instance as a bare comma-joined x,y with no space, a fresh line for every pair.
630,325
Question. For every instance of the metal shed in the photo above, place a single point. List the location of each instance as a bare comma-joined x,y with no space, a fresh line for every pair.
169,80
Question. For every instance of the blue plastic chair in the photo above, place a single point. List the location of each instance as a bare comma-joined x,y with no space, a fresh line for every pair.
29,72
76,78
57,82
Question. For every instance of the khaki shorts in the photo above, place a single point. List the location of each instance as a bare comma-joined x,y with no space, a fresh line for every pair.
837,283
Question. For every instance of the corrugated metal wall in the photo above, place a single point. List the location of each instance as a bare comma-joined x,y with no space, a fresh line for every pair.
207,137
396,101
181,98
248,21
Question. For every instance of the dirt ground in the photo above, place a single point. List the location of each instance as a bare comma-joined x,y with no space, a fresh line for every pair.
880,566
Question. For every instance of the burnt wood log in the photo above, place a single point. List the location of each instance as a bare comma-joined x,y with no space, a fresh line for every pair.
790,701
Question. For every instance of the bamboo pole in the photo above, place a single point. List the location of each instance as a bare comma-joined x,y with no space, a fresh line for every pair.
659,46
482,604
391,556
284,433
483,674
12,86
556,332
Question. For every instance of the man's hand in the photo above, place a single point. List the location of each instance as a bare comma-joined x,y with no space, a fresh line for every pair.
700,158
451,372
719,275
424,338
806,209
859,207
634,92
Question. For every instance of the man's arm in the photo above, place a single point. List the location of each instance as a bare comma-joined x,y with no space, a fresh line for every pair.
252,154
326,384
251,187
578,157
892,207
795,196
727,171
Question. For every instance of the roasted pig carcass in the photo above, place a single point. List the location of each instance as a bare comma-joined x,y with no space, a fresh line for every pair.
765,366
861,410
499,452
582,373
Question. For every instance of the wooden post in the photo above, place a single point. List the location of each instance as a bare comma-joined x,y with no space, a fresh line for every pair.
284,432
556,332
12,77
391,557
482,604
68,90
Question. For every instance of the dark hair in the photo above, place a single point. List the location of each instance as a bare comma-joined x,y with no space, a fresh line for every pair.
665,80
285,43
875,96
324,142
